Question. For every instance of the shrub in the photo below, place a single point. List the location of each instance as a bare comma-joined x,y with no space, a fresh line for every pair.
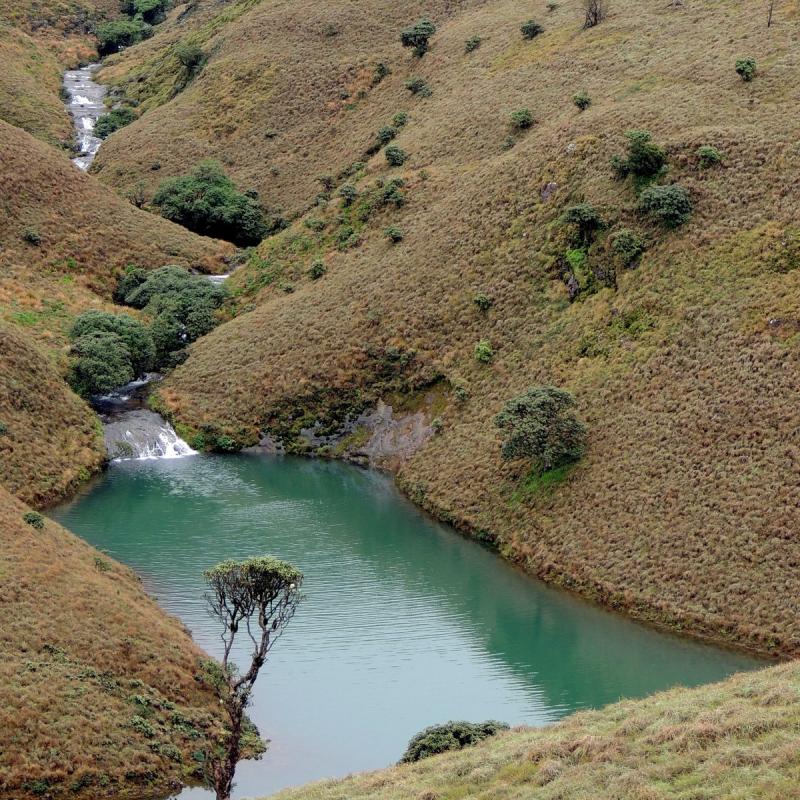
482,301
582,100
669,205
530,29
473,43
645,159
3,429
32,236
708,156
142,726
394,234
182,306
101,363
385,135
586,219
113,36
483,351
189,54
746,68
539,425
450,736
207,202
395,157
399,119
417,36
381,71
115,119
314,224
521,119
34,519
391,193
131,332
419,87
317,269
151,11
348,193
627,246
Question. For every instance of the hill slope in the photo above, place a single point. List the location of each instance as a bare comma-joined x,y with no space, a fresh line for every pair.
685,367
98,696
734,740
50,439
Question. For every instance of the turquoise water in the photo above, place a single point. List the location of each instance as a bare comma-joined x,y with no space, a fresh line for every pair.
405,623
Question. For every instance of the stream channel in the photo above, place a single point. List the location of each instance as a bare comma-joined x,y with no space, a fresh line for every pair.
405,623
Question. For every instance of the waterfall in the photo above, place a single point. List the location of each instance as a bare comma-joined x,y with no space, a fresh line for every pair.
143,434
86,105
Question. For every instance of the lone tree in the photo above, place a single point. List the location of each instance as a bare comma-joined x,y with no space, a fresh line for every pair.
417,36
540,426
261,595
594,12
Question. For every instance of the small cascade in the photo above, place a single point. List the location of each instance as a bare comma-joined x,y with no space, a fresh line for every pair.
143,434
86,106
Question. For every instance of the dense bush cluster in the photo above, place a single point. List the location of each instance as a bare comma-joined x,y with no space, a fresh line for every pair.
530,29
746,68
110,350
112,121
120,33
207,202
449,736
671,206
645,159
419,87
522,119
541,427
417,36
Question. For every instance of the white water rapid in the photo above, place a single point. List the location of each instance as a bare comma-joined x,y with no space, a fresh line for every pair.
86,106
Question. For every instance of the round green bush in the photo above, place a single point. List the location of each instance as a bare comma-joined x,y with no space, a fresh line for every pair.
530,29
395,157
746,68
669,205
582,100
449,736
708,156
417,36
522,119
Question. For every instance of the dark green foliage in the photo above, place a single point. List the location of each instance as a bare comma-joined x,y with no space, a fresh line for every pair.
669,205
132,278
381,71
391,193
450,736
3,429
394,234
395,157
540,426
746,68
522,119
419,87
483,351
627,246
113,36
482,301
131,332
189,54
582,100
34,519
708,156
207,202
645,160
473,43
348,193
151,11
417,36
385,135
530,29
115,119
399,119
101,363
586,220
317,270
32,236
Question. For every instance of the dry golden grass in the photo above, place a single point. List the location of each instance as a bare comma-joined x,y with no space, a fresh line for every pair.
83,651
684,510
29,88
734,740
51,440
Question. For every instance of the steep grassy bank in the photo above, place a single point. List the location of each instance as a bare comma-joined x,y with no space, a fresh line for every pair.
98,696
684,362
736,739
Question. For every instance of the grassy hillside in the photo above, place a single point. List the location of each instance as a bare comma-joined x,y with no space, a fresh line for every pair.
685,367
735,740
50,439
98,696
29,87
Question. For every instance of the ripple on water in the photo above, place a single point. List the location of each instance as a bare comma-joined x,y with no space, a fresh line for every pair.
404,623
